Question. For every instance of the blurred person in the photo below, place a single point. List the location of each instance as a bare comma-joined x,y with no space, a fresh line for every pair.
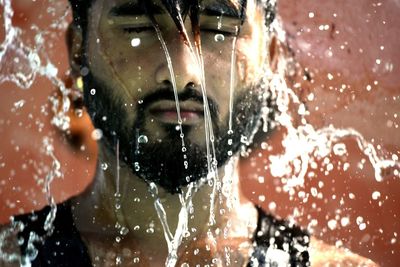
175,89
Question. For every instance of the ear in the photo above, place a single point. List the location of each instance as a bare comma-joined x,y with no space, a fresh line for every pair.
74,40
274,53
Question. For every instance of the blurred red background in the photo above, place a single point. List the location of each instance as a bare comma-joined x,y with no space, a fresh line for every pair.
349,48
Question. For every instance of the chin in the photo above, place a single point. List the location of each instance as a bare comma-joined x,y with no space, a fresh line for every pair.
170,164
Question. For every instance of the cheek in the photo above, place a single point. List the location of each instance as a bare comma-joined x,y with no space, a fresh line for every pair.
249,61
217,68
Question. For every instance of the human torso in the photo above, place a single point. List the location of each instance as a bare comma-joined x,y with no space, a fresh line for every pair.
274,241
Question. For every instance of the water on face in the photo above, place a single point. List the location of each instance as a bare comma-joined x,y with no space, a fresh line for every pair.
174,241
22,63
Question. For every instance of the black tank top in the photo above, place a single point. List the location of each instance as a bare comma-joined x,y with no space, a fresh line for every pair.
276,242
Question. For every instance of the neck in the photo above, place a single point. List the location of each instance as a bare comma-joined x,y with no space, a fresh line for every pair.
121,207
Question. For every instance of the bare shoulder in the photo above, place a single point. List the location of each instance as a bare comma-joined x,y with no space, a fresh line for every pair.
322,254
9,249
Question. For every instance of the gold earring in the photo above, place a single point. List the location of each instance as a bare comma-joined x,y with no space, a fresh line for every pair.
79,84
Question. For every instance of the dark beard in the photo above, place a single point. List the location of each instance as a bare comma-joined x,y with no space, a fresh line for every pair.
163,162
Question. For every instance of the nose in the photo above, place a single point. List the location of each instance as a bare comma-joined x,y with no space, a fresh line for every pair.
184,66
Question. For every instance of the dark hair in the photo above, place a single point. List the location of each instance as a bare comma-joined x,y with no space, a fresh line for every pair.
80,10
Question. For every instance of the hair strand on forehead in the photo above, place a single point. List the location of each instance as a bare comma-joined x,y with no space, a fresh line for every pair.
176,8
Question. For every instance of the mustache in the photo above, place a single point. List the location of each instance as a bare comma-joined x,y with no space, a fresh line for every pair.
189,93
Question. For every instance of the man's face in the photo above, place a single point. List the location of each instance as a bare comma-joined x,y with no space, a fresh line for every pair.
128,48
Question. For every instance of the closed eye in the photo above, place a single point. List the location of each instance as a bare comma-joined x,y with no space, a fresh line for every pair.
227,32
138,29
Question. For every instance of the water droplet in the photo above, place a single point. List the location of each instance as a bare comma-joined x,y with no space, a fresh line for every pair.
359,220
244,140
314,191
143,139
19,104
104,166
339,149
118,239
136,260
264,145
344,221
92,91
153,189
84,71
183,149
137,227
135,42
332,224
78,112
376,195
339,243
219,37
137,166
140,101
97,134
272,206
124,230
150,230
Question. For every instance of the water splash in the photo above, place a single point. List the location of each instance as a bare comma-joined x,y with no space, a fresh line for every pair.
16,227
18,63
307,143
21,64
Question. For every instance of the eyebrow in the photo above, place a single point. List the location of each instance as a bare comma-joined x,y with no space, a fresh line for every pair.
223,8
135,8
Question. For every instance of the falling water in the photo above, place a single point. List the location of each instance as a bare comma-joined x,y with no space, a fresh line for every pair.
173,81
173,240
301,142
212,177
232,82
173,243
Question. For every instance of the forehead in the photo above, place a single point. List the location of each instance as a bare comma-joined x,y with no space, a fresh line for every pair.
232,8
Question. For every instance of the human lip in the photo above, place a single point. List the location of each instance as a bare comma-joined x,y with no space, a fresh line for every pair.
165,111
